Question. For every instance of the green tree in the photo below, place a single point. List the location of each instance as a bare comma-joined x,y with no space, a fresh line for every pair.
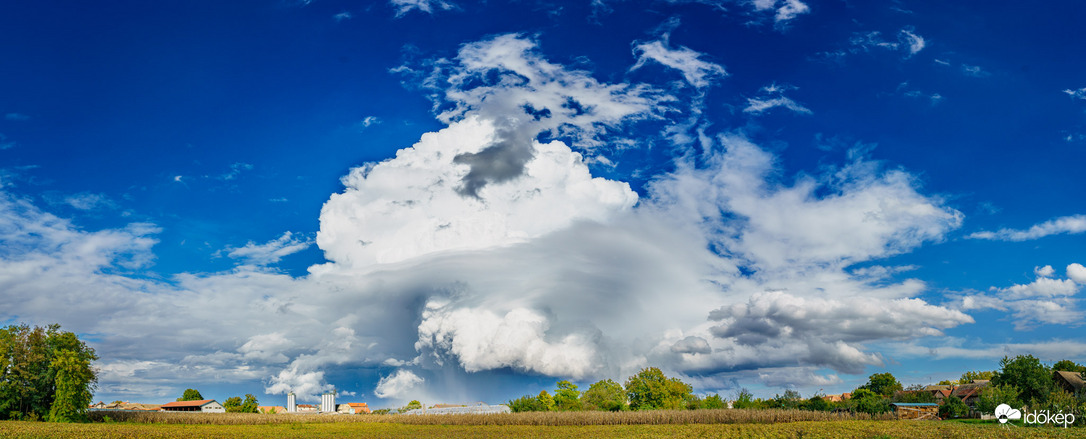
1069,366
191,395
993,396
74,380
651,389
250,405
29,367
546,401
413,405
232,404
816,403
744,399
714,401
883,384
567,397
604,395
1026,373
970,376
526,403
866,401
953,407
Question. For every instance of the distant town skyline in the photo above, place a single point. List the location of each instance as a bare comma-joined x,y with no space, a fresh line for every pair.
459,201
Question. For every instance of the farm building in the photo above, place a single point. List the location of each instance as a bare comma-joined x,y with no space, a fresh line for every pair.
353,408
125,406
970,393
271,409
1068,381
916,410
203,406
477,409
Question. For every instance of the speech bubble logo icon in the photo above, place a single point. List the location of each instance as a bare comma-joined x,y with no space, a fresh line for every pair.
1005,413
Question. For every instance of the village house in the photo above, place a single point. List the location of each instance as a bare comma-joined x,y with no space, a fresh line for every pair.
353,408
1068,381
970,393
125,406
202,406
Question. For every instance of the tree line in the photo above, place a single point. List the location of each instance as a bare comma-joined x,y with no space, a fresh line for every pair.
233,404
45,374
1021,382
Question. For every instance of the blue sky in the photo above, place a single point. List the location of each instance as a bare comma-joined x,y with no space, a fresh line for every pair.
459,201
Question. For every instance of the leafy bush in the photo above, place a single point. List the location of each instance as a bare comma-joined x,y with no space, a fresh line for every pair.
953,407
604,395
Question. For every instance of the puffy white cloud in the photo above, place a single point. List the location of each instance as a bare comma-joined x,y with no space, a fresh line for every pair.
411,205
1067,224
269,252
695,70
1046,271
863,214
397,384
483,340
1045,300
1077,273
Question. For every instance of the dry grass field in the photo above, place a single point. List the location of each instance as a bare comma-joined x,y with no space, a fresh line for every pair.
649,424
799,429
653,417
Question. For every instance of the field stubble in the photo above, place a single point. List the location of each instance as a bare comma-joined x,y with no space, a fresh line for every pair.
648,417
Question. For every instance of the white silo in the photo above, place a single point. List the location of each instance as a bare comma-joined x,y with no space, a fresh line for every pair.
328,402
292,403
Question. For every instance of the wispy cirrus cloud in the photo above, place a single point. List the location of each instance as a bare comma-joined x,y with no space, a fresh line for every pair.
697,71
1077,94
1073,224
772,96
402,7
783,10
269,252
907,41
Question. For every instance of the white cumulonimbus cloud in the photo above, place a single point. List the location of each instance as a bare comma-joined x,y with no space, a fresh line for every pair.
489,245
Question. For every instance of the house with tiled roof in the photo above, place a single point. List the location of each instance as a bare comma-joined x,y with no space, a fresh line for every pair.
970,393
353,408
201,406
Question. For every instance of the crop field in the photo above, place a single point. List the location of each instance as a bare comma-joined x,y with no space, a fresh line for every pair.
682,424
802,429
